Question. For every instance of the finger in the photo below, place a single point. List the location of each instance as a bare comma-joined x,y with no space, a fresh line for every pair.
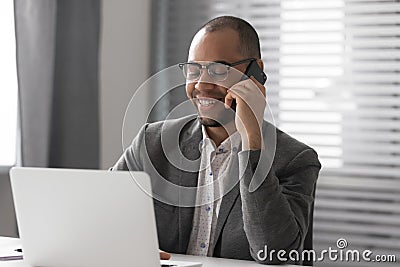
229,99
164,255
259,85
235,94
245,85
239,90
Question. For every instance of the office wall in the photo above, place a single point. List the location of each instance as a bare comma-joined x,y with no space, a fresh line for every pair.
8,226
124,64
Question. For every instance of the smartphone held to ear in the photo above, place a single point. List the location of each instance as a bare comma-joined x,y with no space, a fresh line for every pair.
254,70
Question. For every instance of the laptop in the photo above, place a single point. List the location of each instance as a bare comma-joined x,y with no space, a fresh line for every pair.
86,218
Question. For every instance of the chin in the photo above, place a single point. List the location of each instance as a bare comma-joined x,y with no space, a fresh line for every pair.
209,122
220,122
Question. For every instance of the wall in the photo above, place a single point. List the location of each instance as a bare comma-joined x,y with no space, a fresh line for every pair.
125,50
124,61
8,226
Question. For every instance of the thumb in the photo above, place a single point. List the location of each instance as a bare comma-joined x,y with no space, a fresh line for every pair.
164,255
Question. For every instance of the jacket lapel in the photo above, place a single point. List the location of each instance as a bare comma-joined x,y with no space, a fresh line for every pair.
229,199
189,144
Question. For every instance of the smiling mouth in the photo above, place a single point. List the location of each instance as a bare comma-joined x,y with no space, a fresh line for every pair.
206,102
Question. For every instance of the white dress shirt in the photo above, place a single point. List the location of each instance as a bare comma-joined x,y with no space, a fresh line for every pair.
214,164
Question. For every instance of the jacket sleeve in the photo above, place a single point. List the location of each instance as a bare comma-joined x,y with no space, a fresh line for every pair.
131,159
276,215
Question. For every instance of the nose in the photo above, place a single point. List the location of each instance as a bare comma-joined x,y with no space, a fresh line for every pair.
204,82
204,86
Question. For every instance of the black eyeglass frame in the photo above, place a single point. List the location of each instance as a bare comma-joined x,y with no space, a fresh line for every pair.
229,65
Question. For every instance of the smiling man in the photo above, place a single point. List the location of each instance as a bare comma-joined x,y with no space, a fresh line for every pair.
252,185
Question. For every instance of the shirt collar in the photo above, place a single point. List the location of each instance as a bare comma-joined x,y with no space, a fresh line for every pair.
230,143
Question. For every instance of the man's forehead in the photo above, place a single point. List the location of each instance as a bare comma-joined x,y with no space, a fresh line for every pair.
220,45
198,37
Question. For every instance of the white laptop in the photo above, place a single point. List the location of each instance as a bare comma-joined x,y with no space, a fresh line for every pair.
85,218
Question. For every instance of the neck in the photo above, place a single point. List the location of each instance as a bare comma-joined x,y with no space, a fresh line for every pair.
219,134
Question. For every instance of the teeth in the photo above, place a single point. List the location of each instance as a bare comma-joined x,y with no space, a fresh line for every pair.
206,102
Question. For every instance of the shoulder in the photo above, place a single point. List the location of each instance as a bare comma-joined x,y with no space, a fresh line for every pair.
170,124
289,150
288,144
187,127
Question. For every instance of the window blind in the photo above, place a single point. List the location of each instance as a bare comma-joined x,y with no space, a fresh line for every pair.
333,83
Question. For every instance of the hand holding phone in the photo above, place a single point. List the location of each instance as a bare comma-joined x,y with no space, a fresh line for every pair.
247,99
253,69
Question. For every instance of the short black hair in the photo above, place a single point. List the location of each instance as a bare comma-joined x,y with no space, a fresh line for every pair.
248,37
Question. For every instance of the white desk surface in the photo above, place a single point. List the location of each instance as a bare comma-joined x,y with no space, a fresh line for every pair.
7,246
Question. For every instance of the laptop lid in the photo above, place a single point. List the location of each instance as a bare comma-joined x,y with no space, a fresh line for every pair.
84,217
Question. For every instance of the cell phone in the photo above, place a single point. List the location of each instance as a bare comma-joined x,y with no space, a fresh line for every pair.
254,70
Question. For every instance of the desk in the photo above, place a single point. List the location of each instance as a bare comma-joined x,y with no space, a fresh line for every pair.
9,244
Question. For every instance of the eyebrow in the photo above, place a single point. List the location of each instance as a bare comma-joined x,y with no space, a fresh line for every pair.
217,61
222,62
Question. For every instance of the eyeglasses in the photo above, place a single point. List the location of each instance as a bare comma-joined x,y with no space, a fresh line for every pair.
218,71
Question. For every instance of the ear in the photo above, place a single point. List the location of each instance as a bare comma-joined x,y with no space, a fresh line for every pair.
260,64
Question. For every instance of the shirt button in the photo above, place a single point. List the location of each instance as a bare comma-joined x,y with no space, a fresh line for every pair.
208,208
234,149
202,245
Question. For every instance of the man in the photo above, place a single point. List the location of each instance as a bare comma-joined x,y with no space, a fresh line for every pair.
244,197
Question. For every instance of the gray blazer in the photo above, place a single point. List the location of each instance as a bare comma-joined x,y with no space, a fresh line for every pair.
276,215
